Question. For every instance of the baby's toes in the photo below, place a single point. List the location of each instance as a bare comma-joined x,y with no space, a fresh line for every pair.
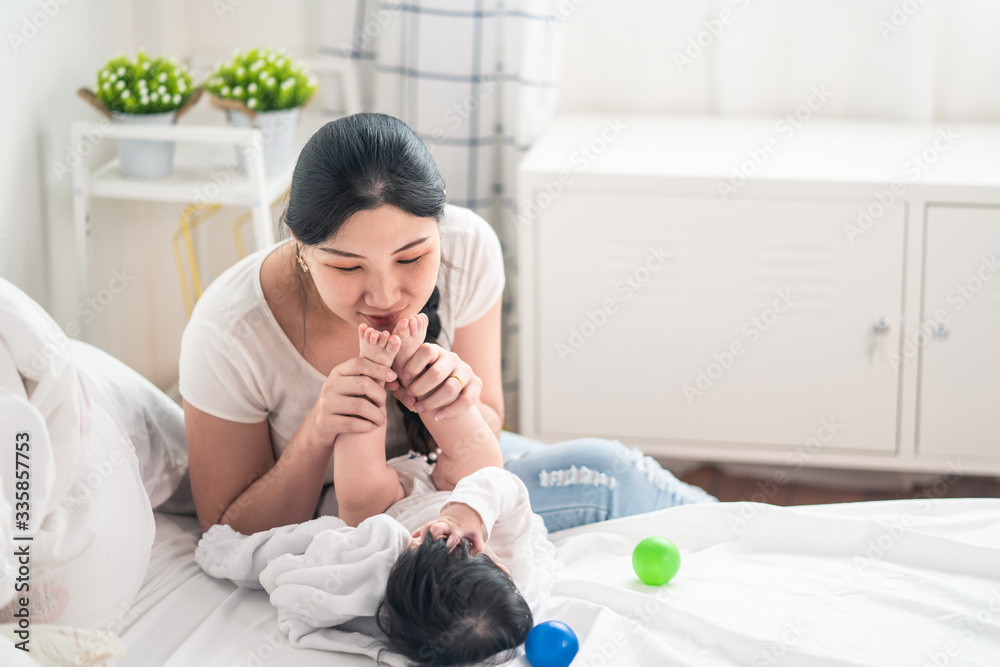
393,344
422,322
418,328
402,328
363,334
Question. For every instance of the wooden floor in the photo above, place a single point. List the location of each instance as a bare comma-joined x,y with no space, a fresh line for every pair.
727,488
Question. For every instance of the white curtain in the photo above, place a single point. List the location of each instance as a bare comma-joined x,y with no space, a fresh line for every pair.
476,80
913,60
908,60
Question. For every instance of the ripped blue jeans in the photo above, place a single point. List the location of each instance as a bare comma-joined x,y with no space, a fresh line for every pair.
583,481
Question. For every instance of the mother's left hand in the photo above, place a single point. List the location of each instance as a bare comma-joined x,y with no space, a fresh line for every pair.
428,385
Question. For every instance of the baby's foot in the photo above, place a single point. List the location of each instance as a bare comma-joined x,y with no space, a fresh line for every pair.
411,332
378,346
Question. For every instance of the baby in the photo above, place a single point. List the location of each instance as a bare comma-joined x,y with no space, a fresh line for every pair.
449,598
442,578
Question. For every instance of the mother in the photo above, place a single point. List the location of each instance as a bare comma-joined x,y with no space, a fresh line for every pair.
270,370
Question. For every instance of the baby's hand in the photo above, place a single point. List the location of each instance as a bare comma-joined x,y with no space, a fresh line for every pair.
456,522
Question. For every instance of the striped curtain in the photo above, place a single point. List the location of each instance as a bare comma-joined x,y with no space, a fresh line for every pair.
476,80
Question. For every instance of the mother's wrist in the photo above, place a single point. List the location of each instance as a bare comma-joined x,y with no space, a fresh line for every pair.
312,435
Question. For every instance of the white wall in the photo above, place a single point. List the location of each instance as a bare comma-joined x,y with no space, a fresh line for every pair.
44,59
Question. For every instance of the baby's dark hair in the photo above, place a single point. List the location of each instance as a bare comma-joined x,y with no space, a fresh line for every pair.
446,607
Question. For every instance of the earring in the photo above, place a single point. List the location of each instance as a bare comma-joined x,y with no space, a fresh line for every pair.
302,262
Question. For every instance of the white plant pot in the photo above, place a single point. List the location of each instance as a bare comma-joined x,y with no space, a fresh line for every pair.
277,135
141,158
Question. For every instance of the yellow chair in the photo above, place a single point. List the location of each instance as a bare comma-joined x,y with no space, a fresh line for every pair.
191,217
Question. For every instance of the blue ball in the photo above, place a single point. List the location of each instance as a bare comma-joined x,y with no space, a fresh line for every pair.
551,644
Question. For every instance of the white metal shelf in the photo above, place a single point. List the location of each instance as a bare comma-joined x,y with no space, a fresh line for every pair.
205,170
107,182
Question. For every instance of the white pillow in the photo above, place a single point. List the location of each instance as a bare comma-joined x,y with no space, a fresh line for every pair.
146,416
90,553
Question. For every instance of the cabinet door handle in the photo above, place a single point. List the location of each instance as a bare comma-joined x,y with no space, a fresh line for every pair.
940,331
882,326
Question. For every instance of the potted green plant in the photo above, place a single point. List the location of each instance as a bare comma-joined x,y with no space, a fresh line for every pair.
144,90
265,89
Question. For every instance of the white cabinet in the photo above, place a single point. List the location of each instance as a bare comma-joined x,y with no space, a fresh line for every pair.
777,321
692,319
958,344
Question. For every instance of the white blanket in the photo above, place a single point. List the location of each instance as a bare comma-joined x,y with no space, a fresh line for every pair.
847,585
321,575
326,579
908,582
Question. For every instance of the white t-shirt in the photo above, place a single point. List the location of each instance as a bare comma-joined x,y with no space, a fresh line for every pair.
237,364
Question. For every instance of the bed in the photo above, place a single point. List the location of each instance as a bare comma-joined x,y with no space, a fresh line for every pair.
905,582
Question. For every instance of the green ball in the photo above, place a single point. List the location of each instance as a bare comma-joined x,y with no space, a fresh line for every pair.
656,560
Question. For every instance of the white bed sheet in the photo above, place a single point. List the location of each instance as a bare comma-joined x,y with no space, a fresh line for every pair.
908,582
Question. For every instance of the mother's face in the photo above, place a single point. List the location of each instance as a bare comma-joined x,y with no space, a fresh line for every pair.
381,267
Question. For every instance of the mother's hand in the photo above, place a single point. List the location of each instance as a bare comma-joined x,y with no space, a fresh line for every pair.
427,387
351,400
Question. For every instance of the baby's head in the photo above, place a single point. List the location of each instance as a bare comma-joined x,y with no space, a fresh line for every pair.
446,607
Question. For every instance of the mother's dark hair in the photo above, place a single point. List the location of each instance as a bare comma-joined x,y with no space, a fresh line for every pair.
359,163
